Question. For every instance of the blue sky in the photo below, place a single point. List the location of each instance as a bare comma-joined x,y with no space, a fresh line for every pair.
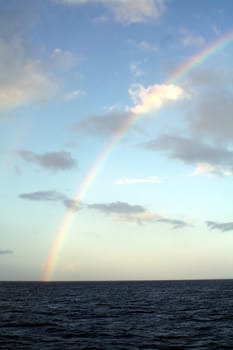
72,72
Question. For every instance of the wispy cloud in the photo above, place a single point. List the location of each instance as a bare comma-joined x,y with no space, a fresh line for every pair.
136,70
63,58
191,39
127,11
72,95
50,160
221,226
51,196
143,45
142,180
6,252
140,218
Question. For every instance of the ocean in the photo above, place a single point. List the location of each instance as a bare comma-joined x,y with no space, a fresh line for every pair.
116,315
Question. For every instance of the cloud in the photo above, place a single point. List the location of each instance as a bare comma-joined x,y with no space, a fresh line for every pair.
174,222
212,117
192,151
72,95
143,45
135,213
128,181
117,208
222,226
152,217
63,59
105,124
190,39
212,104
136,70
6,251
154,97
51,196
209,169
140,218
22,79
50,161
127,11
146,100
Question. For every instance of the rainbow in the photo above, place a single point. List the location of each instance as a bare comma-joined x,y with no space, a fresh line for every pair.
177,76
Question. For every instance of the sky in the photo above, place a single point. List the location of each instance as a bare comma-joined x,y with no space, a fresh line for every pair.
116,139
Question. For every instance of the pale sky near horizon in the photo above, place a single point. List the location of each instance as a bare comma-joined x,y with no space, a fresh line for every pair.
160,202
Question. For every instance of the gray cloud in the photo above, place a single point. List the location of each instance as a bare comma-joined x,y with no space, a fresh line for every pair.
222,226
174,222
51,160
51,196
213,117
6,251
103,125
212,109
117,208
192,151
136,213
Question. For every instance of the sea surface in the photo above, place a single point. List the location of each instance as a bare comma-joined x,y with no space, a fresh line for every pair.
116,315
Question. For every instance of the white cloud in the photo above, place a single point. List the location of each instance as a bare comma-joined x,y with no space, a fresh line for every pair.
23,80
127,181
127,11
154,97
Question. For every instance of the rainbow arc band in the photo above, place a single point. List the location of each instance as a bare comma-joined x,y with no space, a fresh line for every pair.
175,77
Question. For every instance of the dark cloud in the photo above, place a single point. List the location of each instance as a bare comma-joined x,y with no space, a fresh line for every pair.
51,196
105,124
222,226
117,208
6,251
192,151
175,223
50,161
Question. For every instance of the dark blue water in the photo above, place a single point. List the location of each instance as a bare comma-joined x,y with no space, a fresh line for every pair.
117,315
